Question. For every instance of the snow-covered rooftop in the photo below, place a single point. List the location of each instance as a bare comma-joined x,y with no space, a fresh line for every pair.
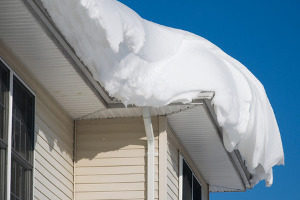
147,64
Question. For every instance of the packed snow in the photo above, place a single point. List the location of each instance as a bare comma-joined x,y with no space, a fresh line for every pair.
147,64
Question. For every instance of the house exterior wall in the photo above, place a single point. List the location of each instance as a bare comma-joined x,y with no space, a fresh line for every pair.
110,154
53,163
111,161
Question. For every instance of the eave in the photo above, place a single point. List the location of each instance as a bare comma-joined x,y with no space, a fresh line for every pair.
109,103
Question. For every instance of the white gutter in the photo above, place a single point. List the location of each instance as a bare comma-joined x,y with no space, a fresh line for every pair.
150,154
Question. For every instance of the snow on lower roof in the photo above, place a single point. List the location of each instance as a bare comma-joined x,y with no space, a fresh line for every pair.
147,64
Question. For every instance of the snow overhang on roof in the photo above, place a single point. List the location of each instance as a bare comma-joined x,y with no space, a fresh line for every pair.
141,63
56,42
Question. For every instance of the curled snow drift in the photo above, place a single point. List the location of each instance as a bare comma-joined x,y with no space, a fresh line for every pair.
146,64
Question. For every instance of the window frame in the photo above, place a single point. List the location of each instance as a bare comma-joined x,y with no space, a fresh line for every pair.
13,75
3,138
194,176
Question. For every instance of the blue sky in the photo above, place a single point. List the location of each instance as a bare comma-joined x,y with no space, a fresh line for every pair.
265,36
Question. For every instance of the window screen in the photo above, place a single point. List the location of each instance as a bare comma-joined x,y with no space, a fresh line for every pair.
187,182
191,188
22,142
196,189
4,83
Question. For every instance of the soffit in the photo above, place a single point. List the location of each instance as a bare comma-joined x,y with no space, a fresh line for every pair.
197,133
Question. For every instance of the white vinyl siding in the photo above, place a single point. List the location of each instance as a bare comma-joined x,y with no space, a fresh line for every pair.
53,156
111,160
172,171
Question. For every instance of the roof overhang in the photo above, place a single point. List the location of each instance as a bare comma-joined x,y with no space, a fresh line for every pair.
198,131
28,32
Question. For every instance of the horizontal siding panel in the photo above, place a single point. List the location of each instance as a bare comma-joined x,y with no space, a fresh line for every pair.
46,106
171,197
44,143
58,145
51,177
56,172
138,161
112,187
172,186
106,133
173,152
172,178
51,135
57,124
173,155
52,190
111,170
119,153
113,145
172,171
44,191
113,195
112,124
54,158
108,128
39,196
111,160
120,178
113,136
173,163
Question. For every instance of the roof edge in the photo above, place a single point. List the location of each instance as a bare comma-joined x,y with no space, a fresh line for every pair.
235,155
41,15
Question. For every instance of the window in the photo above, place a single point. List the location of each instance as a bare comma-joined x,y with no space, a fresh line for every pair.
190,186
4,89
16,141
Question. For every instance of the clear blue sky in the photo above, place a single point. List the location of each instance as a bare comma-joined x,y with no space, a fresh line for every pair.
265,36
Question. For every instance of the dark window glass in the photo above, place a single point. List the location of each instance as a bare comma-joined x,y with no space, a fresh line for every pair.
22,142
191,189
4,89
4,83
196,189
187,181
2,173
21,181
